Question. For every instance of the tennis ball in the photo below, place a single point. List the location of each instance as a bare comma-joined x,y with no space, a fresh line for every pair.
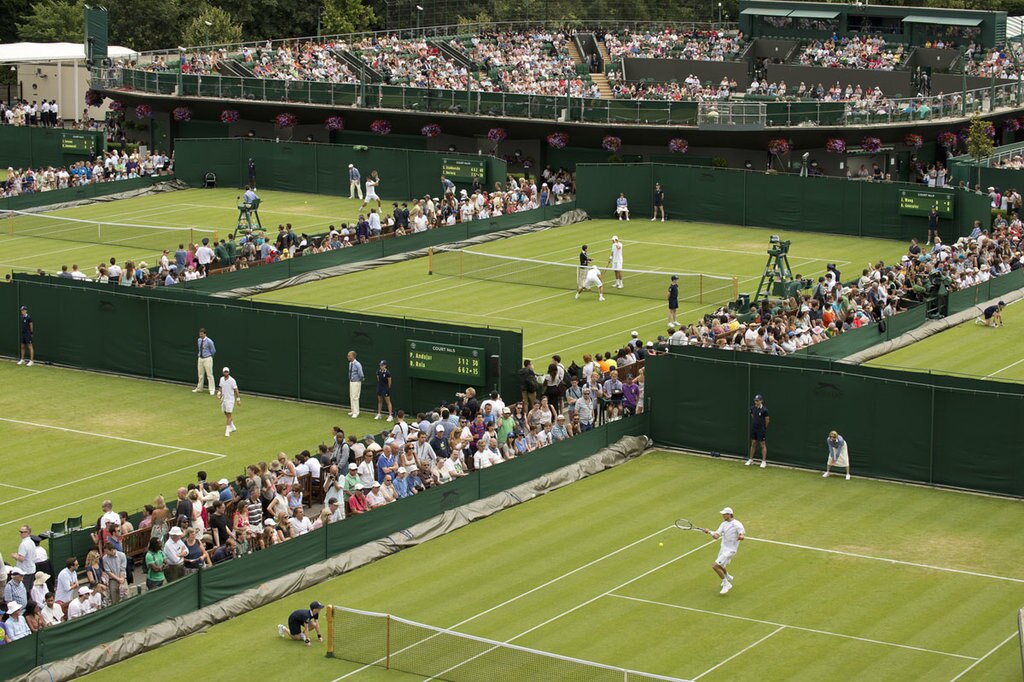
661,544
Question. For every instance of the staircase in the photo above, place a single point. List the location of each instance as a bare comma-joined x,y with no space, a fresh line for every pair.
574,52
601,81
603,51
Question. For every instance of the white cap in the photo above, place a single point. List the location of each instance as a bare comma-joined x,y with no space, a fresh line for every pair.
727,510
84,590
226,371
175,532
269,522
615,238
401,470
634,334
376,484
223,481
350,165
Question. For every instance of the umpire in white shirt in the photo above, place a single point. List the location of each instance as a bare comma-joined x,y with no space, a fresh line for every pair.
205,349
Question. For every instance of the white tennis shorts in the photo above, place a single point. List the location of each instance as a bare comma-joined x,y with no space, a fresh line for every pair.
227,406
371,193
591,281
616,264
724,557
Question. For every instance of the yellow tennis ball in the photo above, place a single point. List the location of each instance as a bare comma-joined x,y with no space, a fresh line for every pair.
661,544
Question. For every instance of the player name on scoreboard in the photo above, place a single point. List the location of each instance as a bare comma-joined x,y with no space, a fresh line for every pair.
77,143
445,362
464,170
914,202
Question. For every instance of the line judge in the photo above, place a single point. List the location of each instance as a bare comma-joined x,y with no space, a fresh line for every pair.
206,349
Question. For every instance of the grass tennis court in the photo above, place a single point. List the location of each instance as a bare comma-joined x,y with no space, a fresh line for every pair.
969,349
551,320
31,243
837,580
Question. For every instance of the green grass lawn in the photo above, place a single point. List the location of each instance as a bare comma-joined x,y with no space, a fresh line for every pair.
551,320
969,349
837,580
130,440
208,210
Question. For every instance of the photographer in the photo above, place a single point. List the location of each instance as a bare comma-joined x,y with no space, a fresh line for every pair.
467,404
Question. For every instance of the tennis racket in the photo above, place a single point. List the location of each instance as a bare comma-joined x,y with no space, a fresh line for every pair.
683,524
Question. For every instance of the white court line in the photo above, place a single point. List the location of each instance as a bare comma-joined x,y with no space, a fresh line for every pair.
790,627
991,651
579,606
762,252
1012,364
523,594
86,478
889,561
483,317
18,487
740,652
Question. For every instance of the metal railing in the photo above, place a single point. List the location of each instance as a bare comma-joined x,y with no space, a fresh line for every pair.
999,155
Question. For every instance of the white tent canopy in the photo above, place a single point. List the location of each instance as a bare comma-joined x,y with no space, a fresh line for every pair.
12,53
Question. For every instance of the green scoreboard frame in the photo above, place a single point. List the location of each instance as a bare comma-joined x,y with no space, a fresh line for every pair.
915,202
464,170
77,143
446,362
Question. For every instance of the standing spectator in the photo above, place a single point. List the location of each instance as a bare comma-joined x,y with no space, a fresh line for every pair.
205,256
659,202
228,394
67,582
27,329
354,186
586,409
15,588
759,430
25,557
528,384
355,383
838,455
206,350
384,389
673,301
114,565
156,562
174,554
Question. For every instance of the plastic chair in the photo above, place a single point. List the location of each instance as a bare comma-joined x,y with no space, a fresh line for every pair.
74,523
58,528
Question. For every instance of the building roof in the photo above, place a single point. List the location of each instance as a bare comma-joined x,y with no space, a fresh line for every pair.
54,52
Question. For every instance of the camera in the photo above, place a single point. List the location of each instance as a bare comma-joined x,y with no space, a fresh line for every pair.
460,395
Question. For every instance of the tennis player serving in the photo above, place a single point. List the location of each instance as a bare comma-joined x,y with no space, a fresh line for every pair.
731,533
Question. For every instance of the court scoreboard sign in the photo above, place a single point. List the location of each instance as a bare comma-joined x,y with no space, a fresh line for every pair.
464,170
914,202
77,143
445,362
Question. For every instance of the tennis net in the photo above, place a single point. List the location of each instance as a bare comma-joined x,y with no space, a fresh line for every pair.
44,226
694,287
393,643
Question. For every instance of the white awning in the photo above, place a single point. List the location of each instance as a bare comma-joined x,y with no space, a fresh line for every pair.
11,53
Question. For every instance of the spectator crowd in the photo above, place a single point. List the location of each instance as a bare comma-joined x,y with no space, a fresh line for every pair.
108,167
858,52
703,46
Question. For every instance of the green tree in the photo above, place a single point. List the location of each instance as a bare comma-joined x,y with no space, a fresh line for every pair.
346,16
12,12
979,144
155,25
222,30
54,21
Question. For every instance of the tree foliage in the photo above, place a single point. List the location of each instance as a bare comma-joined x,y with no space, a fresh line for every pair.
347,16
979,144
54,21
221,31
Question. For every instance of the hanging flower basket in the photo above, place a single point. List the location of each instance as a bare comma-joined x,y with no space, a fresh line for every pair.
1012,125
990,130
430,130
118,106
872,145
381,126
496,135
94,98
778,146
835,145
678,145
285,120
558,140
611,143
182,114
229,116
334,123
947,140
143,111
913,140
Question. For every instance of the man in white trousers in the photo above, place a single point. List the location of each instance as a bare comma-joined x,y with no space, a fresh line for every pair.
355,383
206,350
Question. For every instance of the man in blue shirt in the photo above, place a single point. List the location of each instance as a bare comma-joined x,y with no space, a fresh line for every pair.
758,430
354,185
180,258
447,186
301,622
249,196
384,389
205,352
27,329
355,383
622,207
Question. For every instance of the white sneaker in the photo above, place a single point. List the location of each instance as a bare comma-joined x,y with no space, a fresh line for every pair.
652,220
390,418
227,431
352,414
728,577
233,427
21,362
29,363
847,477
749,462
825,475
600,298
577,298
763,464
662,220
281,631
726,587
194,390
627,220
377,418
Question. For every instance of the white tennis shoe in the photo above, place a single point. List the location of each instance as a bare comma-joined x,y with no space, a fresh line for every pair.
749,462
825,475
764,464
726,586
281,631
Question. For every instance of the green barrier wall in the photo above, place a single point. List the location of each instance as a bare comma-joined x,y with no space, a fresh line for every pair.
233,577
861,339
30,147
900,425
373,250
738,197
318,168
59,196
272,349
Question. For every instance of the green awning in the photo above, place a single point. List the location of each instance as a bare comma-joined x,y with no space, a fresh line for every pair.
940,21
766,12
812,14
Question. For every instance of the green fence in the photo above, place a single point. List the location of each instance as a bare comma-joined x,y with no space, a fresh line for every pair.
900,425
784,201
319,168
280,350
32,147
372,250
90,191
233,577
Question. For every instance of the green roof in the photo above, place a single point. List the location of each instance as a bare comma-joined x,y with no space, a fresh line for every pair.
940,21
812,14
766,12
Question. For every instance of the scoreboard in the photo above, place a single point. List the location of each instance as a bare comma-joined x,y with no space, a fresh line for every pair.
464,169
77,143
914,202
445,362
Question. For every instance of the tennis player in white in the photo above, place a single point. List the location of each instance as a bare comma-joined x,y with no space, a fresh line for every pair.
592,279
228,394
731,532
615,260
371,190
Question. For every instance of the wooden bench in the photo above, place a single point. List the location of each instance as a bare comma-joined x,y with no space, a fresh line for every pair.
136,543
306,481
